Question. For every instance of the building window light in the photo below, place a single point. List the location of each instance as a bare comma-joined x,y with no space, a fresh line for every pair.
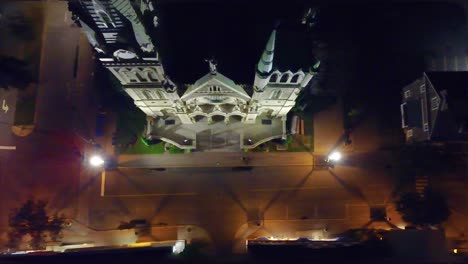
434,103
409,133
422,88
407,93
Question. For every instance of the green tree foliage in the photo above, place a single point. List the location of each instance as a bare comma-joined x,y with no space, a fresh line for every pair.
31,218
421,210
130,119
14,73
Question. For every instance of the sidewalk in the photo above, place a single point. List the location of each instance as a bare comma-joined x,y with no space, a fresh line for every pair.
216,159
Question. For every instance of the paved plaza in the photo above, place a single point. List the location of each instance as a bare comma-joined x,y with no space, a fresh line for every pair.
218,135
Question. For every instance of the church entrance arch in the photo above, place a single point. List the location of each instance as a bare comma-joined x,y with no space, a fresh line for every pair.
217,118
198,118
235,118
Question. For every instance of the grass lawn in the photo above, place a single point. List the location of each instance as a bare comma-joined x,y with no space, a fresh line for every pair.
141,148
304,143
301,143
296,143
175,150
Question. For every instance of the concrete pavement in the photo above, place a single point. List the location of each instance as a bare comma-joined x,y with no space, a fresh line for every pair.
215,159
229,204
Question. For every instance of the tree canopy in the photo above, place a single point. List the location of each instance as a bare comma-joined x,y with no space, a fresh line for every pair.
14,73
420,210
31,218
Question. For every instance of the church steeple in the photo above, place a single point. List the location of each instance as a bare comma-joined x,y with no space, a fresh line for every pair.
265,64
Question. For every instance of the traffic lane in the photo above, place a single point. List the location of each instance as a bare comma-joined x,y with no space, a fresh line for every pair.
41,168
56,75
221,201
203,179
310,203
263,179
7,115
236,187
213,160
206,210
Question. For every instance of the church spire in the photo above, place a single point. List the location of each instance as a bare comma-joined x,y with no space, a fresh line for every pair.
266,61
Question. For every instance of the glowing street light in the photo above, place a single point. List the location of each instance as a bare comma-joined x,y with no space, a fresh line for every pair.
334,156
96,161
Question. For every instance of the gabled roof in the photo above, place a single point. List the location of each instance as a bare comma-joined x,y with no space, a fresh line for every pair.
214,79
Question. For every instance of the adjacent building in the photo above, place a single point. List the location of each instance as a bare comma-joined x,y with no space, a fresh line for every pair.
435,108
213,113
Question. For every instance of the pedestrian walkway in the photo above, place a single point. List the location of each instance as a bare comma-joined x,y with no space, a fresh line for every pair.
216,159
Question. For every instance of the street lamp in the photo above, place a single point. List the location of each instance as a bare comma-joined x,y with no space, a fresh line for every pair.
96,161
334,156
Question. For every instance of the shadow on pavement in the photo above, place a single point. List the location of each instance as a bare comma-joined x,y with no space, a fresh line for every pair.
291,193
349,187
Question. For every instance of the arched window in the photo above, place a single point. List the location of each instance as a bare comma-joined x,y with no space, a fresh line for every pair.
106,18
160,95
275,94
274,78
295,78
284,78
147,94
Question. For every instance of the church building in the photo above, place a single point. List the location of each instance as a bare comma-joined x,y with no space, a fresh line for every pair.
212,114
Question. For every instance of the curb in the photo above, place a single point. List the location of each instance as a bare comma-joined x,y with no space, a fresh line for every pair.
22,130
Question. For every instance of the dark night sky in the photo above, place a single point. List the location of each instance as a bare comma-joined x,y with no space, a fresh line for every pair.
236,33
368,51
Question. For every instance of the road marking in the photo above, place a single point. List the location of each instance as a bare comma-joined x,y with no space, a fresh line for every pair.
290,189
5,107
8,147
152,194
103,182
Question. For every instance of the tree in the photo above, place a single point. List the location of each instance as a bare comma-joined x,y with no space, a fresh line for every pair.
14,73
55,227
32,219
422,210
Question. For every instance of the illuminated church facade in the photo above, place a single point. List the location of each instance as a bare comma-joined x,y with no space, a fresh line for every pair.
214,113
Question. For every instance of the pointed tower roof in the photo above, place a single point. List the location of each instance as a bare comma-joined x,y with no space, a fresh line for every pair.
266,61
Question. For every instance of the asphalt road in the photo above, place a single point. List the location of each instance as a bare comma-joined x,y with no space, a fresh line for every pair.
47,164
282,200
7,115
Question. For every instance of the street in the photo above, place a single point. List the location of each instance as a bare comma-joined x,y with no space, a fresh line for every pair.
47,164
219,198
7,115
272,201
